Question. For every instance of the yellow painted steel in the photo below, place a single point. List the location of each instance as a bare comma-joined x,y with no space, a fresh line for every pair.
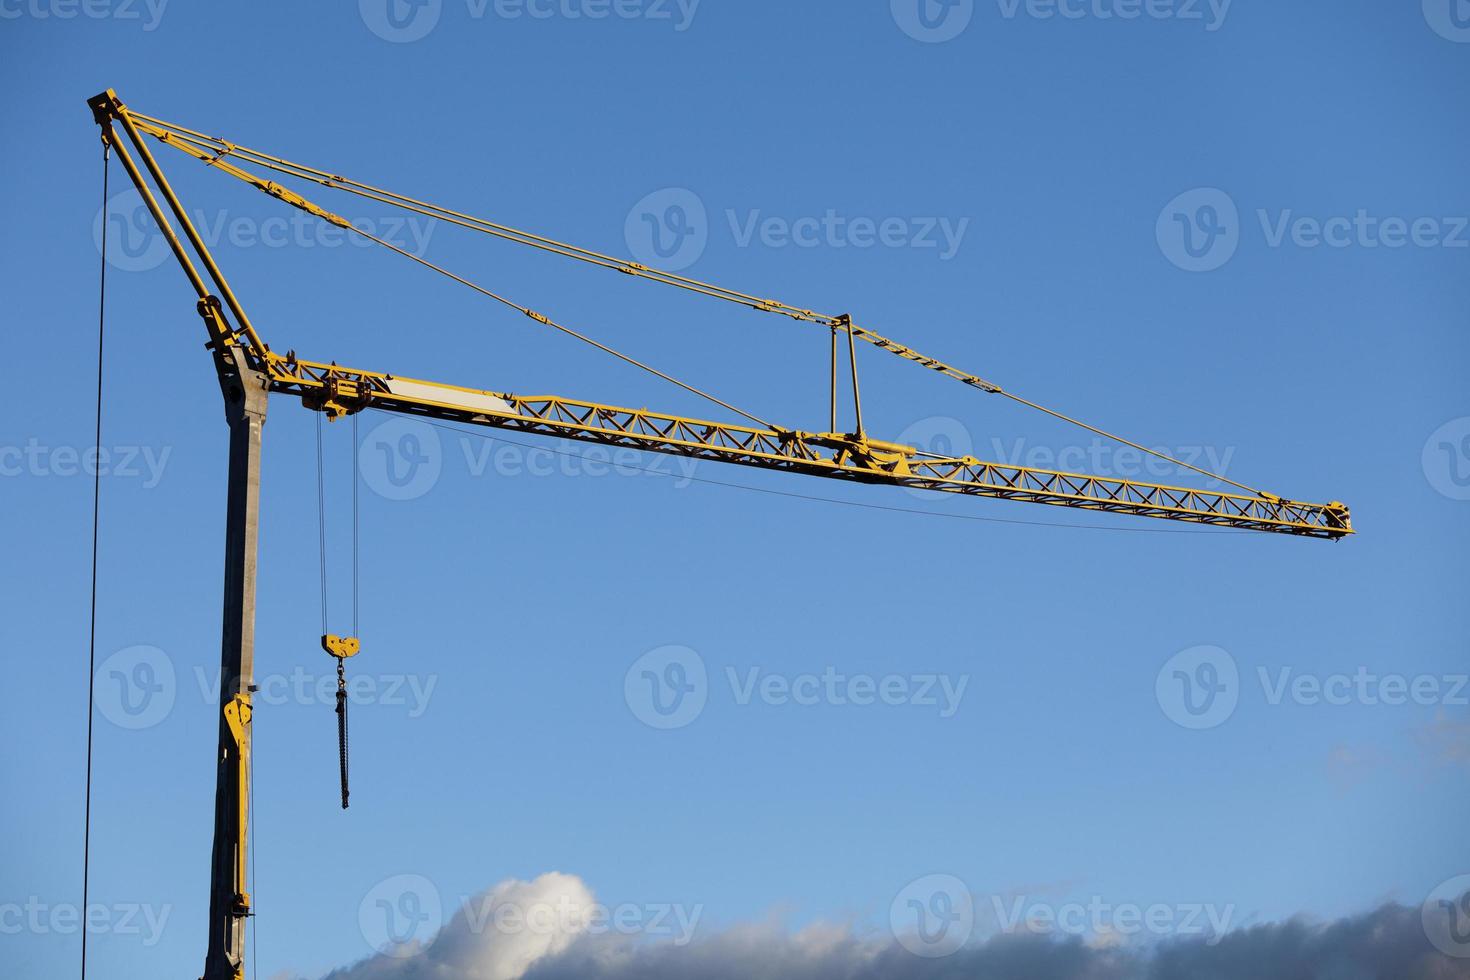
248,368
341,647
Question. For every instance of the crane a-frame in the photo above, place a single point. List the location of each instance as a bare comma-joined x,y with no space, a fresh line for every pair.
249,371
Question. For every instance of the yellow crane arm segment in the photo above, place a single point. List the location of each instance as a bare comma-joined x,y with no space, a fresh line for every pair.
249,371
339,390
217,152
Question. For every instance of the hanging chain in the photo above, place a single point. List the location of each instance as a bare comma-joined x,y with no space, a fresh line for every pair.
342,728
340,647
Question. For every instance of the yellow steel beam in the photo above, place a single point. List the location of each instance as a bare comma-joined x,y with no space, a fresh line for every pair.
339,390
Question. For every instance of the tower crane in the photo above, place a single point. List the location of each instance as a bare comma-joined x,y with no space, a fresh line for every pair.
250,371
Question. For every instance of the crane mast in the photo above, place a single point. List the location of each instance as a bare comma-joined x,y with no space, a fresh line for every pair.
249,371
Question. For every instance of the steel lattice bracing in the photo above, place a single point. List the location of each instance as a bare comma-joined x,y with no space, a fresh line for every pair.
843,456
248,371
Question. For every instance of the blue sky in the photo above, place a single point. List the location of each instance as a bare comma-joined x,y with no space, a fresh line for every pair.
1036,175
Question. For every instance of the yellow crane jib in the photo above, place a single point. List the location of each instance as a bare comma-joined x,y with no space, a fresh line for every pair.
249,371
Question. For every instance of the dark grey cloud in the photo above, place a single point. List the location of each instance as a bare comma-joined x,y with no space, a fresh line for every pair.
1388,943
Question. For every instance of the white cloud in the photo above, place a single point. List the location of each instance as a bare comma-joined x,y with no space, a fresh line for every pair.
497,935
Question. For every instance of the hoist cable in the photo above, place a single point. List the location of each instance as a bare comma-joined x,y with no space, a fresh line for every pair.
216,149
321,519
96,524
354,524
540,318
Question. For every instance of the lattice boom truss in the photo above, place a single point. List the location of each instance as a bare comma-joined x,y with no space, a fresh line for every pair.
338,390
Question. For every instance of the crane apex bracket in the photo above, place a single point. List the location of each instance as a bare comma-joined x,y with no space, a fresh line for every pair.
341,647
